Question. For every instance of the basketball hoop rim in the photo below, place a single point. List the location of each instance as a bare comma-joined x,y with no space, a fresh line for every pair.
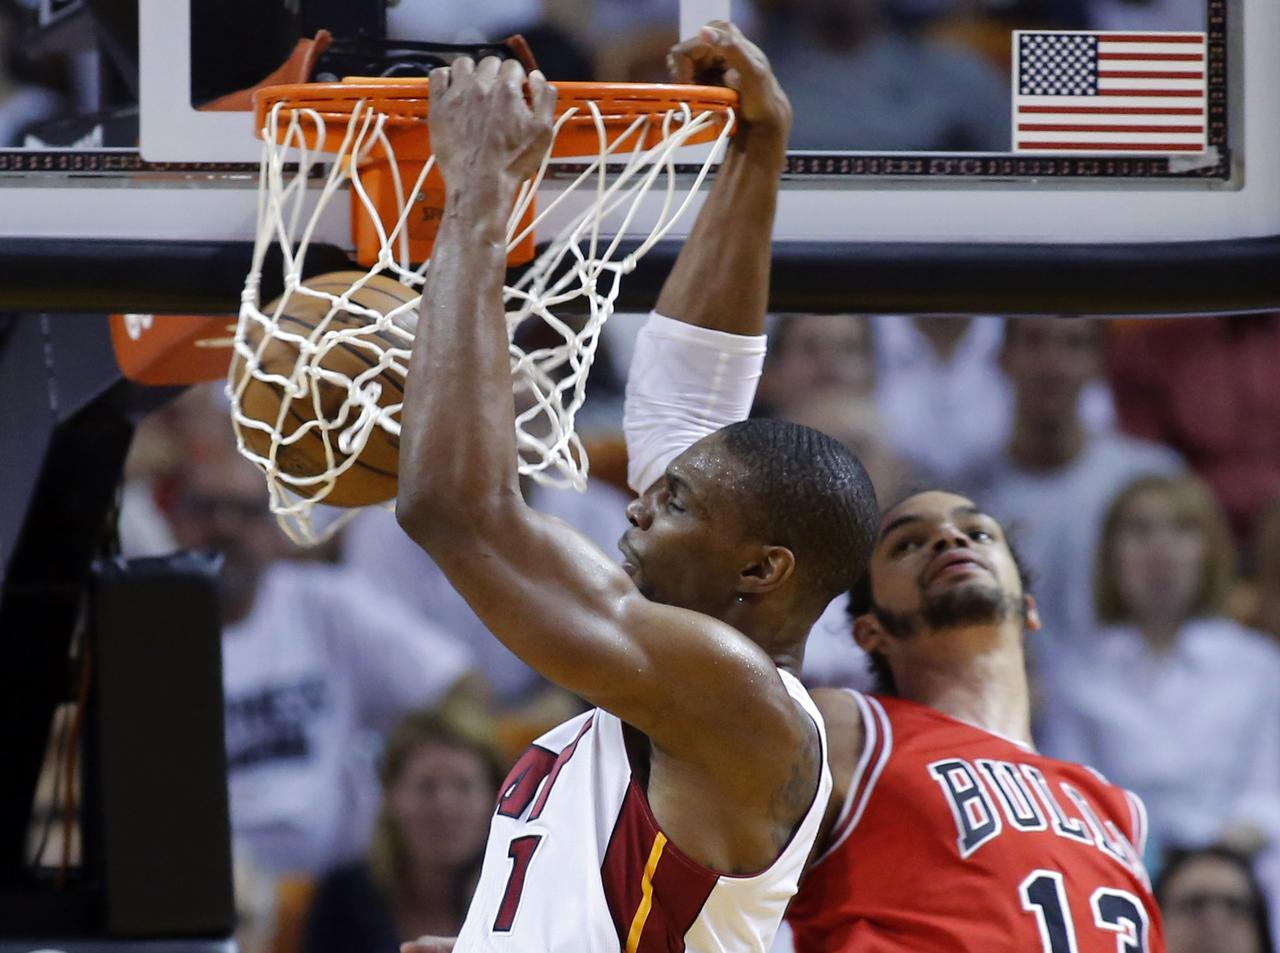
406,101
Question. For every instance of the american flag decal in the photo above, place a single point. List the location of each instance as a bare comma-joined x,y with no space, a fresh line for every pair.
1078,91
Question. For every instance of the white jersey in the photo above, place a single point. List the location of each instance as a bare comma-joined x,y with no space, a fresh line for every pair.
576,862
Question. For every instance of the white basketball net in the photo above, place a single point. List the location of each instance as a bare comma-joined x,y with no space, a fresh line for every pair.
579,272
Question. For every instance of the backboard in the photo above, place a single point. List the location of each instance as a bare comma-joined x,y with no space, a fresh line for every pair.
904,190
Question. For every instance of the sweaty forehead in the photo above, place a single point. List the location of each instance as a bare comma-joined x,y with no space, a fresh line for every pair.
706,466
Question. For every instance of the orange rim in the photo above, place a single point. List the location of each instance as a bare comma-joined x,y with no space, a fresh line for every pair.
405,103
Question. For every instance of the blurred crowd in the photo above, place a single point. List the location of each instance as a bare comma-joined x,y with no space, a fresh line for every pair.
911,75
1136,464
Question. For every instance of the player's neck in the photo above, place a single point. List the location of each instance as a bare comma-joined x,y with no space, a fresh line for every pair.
986,689
782,636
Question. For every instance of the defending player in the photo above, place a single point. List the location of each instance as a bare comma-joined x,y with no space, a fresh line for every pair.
948,832
679,813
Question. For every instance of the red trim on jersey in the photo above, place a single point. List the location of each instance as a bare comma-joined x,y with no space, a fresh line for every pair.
680,887
1138,818
877,747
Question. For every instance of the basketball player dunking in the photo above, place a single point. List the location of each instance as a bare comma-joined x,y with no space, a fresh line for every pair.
679,813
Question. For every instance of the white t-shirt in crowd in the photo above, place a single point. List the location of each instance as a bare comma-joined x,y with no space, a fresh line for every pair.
375,545
1054,519
945,417
321,668
1195,731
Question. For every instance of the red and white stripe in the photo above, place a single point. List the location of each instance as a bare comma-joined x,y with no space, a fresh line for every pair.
1151,98
876,748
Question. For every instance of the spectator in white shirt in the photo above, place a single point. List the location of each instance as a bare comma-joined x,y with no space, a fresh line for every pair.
944,403
820,371
1051,483
1176,702
317,666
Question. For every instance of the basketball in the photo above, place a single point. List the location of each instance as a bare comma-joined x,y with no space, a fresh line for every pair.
318,411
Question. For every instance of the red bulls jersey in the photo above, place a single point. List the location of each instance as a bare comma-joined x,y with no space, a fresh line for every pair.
956,840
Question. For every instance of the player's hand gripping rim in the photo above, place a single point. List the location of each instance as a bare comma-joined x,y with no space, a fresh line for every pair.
721,56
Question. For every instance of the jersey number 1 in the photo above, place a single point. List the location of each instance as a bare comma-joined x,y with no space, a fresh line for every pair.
537,769
521,852
1116,911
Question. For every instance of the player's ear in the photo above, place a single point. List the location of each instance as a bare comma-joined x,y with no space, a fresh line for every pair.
768,568
868,632
1030,613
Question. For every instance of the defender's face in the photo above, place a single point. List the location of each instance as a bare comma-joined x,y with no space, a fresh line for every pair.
938,547
684,547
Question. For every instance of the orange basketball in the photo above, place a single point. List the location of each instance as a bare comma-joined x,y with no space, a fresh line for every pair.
372,477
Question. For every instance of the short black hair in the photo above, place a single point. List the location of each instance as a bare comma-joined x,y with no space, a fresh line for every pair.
1177,858
807,492
861,601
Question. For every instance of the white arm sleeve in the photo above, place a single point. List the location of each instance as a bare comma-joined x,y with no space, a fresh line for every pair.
685,383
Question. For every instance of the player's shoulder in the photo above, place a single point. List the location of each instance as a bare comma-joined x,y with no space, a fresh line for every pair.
841,710
848,719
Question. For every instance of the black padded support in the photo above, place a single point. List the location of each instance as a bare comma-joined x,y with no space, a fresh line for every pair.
163,816
65,433
149,277
904,278
911,278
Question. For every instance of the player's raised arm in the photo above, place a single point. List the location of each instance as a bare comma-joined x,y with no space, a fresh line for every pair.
546,592
699,356
721,277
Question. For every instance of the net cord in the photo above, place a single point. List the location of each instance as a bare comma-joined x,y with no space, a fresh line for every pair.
578,269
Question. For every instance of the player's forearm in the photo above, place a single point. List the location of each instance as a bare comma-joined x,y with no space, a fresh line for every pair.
721,277
458,450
